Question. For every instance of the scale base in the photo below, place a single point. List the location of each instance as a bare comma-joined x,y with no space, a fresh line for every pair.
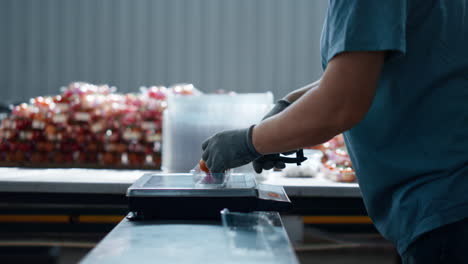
175,196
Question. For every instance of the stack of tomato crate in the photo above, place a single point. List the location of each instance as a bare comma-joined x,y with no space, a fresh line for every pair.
87,126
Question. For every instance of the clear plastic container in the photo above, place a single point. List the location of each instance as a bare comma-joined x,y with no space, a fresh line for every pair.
189,120
249,232
259,237
215,180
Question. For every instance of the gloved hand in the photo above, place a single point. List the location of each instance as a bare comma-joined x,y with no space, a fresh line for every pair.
267,162
229,149
279,106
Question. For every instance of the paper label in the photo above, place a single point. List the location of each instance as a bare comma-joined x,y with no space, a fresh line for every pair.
38,124
26,135
148,125
153,137
97,127
62,106
59,118
272,192
82,116
131,135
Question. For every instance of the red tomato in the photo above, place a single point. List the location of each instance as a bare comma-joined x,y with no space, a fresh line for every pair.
203,166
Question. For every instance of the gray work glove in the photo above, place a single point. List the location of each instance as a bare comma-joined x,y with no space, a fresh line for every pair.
229,149
279,106
267,162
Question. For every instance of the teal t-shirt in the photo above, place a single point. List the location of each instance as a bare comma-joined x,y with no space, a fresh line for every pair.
411,150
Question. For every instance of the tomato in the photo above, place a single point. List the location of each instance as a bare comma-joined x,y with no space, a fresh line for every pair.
203,166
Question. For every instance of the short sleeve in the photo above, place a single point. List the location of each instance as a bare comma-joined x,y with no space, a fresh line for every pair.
364,25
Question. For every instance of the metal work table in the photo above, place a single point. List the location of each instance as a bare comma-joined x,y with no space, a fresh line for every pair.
117,182
67,180
88,200
186,242
79,201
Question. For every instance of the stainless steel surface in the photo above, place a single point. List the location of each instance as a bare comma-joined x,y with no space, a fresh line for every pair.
183,185
257,233
67,180
186,242
118,181
317,186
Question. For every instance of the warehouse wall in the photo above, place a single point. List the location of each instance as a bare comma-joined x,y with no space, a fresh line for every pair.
240,45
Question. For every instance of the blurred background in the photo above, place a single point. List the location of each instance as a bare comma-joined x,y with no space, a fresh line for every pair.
242,45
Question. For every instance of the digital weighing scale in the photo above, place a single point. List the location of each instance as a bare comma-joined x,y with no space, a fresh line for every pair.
177,196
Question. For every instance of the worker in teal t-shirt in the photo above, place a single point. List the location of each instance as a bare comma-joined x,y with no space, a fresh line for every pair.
396,83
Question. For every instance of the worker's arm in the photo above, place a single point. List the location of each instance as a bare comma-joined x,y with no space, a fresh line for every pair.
290,98
341,100
296,94
267,162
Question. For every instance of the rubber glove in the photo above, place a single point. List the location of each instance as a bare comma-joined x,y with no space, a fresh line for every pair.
267,162
279,106
229,149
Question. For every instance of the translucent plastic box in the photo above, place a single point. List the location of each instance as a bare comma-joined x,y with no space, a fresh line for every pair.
189,120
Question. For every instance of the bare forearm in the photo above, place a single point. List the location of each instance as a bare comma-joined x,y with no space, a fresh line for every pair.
341,100
296,94
307,122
